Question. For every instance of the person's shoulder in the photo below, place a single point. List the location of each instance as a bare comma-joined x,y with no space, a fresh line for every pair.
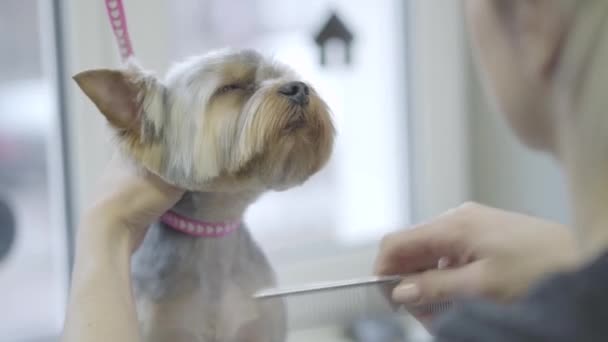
565,307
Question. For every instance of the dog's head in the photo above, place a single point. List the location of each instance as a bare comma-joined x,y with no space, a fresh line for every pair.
226,121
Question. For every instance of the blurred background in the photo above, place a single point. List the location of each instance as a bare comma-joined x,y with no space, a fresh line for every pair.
415,134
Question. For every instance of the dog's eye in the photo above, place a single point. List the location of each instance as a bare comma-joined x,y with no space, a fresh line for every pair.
229,87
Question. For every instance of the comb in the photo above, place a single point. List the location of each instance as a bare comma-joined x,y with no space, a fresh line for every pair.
342,302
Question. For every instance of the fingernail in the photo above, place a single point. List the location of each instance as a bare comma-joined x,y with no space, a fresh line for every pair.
406,293
443,263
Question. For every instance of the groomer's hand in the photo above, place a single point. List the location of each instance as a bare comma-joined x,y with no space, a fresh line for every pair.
128,201
474,251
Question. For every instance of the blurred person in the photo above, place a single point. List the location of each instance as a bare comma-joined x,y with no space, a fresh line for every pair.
545,63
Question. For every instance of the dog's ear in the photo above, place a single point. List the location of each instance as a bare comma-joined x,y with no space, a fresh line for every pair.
118,94
114,93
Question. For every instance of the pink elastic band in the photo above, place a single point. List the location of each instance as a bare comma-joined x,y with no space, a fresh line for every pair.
118,21
199,228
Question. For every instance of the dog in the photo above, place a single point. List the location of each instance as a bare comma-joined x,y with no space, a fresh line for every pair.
227,126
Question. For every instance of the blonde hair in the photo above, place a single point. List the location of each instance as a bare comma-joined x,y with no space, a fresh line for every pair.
581,79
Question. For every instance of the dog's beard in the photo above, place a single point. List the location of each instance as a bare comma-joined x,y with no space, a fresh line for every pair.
284,142
270,143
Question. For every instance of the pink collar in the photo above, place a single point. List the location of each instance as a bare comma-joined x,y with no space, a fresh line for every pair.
199,228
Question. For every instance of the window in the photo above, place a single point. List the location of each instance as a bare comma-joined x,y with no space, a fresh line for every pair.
33,269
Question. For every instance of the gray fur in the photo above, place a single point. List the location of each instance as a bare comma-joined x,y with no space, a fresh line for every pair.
171,264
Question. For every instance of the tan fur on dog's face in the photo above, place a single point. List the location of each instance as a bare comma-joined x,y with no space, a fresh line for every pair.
217,123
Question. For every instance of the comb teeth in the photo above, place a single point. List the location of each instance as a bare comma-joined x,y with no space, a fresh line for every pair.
340,304
431,308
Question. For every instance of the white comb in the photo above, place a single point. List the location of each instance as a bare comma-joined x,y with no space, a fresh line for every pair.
341,302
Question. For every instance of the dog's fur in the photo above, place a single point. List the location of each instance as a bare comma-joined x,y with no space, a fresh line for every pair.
219,126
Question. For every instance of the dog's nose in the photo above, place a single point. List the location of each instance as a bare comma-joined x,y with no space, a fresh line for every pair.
296,92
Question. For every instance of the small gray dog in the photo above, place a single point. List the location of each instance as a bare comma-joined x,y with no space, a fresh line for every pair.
227,126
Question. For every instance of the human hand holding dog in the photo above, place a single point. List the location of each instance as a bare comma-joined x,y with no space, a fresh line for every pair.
474,251
101,304
128,201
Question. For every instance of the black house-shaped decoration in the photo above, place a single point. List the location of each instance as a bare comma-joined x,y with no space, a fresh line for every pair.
334,29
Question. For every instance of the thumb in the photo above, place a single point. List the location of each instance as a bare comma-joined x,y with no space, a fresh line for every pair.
440,285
